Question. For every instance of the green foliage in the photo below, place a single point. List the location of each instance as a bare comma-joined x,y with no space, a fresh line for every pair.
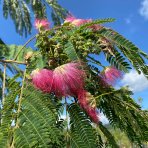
13,51
37,121
8,112
19,11
70,51
132,53
30,118
110,139
122,112
82,134
118,61
9,52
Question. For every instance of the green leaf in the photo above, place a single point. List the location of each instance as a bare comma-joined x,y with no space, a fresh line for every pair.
37,121
70,51
108,135
130,51
82,134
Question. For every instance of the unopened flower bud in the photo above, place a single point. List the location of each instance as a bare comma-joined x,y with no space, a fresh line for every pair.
28,55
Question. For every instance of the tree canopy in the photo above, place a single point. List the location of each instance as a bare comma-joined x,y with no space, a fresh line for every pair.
62,77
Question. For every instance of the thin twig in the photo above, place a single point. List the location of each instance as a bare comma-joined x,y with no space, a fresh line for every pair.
108,93
24,47
21,93
4,84
13,61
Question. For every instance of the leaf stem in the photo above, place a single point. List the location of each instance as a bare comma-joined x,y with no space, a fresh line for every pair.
24,47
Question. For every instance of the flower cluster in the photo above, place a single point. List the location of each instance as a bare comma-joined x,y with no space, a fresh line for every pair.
78,22
65,80
68,79
87,102
111,74
41,24
42,79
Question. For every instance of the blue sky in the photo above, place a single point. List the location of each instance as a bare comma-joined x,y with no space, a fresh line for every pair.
131,21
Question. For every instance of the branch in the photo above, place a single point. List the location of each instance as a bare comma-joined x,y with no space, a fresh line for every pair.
13,61
21,94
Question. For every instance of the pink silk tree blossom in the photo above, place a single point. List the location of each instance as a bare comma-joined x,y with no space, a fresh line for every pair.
69,19
92,113
85,100
111,74
42,23
42,79
68,79
77,22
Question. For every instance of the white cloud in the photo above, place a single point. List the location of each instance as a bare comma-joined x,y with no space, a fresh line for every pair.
144,9
135,81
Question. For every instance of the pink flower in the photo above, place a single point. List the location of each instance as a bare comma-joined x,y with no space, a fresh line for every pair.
87,102
83,99
42,23
86,99
111,74
42,80
68,79
92,113
76,22
69,19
